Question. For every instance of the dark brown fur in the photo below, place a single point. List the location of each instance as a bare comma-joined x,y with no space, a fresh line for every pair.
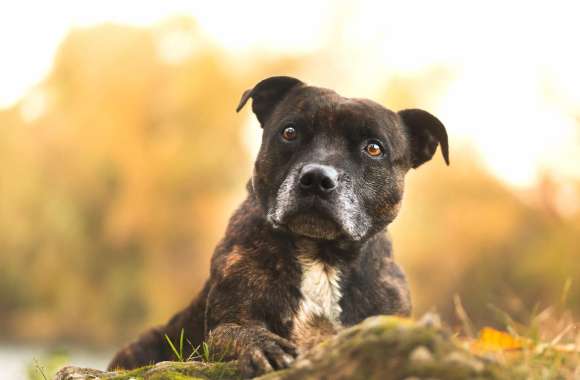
246,310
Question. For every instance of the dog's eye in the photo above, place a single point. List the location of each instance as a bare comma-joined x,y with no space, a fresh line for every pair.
289,133
373,149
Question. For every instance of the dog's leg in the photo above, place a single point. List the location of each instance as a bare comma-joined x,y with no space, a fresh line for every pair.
147,349
257,349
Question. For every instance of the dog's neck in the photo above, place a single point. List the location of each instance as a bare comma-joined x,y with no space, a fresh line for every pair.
334,253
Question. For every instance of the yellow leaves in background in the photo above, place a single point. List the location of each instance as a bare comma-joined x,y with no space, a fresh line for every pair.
113,182
492,340
503,344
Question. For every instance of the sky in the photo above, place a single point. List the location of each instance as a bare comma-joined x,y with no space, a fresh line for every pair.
515,89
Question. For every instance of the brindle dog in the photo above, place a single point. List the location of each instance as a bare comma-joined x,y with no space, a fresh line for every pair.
307,252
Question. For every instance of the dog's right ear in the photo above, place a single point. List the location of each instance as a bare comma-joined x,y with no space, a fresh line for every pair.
266,94
426,132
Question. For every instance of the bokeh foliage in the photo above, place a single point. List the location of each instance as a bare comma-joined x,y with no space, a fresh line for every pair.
112,197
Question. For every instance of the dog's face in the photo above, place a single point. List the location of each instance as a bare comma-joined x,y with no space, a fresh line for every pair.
331,167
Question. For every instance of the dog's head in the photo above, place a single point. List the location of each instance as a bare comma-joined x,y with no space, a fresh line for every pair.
331,167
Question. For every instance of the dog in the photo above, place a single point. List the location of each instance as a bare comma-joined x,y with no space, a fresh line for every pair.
306,253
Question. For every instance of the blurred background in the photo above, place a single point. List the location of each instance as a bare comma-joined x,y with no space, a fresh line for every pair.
122,158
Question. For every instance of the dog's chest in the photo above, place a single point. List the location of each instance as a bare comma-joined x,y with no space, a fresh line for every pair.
319,309
320,288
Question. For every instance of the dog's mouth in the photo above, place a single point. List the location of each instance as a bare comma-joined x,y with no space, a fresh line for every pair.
314,225
312,219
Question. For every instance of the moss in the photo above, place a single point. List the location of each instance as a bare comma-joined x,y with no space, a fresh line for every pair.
133,374
379,348
161,371
183,371
392,348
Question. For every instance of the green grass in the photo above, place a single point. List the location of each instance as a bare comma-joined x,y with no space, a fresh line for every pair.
178,353
46,366
201,353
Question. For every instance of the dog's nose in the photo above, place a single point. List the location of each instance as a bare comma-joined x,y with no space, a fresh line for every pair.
319,179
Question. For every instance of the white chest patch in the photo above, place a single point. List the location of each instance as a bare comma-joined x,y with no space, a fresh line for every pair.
320,287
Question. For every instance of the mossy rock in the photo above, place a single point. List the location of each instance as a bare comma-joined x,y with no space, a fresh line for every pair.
159,371
379,348
391,348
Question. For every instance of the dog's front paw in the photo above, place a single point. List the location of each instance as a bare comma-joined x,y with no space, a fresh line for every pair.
267,353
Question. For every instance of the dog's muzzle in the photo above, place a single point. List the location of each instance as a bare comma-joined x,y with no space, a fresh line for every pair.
317,201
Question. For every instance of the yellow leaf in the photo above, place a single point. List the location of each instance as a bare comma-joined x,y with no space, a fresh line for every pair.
491,339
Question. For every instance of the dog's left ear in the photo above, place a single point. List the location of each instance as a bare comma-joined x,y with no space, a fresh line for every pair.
425,132
266,94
